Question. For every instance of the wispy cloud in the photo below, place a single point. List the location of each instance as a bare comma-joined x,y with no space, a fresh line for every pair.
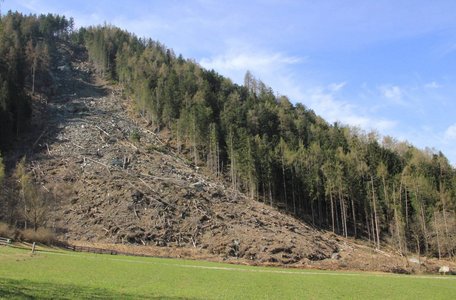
235,63
335,87
432,85
274,68
247,61
394,93
450,133
447,49
326,103
449,143
143,26
80,13
32,5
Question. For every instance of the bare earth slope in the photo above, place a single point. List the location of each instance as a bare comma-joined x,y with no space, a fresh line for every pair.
126,189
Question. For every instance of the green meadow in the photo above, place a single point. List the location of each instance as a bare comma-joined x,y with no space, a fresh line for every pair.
68,275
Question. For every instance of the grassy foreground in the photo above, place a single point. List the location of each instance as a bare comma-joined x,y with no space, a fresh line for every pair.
69,275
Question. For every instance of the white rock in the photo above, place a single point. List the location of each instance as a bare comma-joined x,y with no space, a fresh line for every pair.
444,269
414,260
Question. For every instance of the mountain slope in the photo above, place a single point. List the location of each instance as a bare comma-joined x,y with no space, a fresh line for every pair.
128,187
337,177
161,154
123,186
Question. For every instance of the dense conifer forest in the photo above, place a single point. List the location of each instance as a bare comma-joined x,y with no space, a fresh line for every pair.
26,47
333,176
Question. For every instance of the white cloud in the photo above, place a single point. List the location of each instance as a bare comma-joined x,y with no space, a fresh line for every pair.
31,5
275,69
247,61
143,26
450,133
335,110
432,85
449,143
393,93
234,64
448,49
335,87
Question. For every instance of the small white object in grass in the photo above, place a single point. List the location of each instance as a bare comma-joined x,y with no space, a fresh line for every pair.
444,270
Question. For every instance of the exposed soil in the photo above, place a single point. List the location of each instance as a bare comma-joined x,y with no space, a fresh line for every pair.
125,189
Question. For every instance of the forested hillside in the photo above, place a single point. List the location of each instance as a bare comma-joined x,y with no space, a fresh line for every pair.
27,44
332,175
335,177
27,60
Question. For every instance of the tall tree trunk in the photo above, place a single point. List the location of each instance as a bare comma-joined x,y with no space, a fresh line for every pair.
301,209
312,211
263,191
33,79
443,201
366,214
218,160
233,162
337,217
332,209
385,192
374,235
374,201
195,150
421,218
396,222
35,220
445,222
293,194
423,225
354,215
343,213
25,207
284,183
406,212
400,199
437,233
320,211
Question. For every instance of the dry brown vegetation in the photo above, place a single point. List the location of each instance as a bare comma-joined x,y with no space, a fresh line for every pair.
41,235
6,231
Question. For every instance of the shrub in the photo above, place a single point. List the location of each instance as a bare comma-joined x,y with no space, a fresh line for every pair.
135,136
41,235
151,148
6,231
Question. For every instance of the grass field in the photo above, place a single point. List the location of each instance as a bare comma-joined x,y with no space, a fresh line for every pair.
69,275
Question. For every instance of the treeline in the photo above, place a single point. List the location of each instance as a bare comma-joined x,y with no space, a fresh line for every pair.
27,55
26,47
334,176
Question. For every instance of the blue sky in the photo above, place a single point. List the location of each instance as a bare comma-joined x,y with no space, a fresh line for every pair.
384,65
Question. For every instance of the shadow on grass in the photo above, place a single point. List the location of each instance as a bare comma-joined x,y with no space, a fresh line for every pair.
25,289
